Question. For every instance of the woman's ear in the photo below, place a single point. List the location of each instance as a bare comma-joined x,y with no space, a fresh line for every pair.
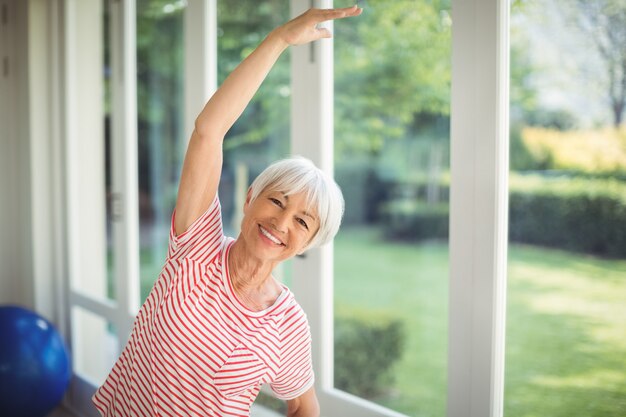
248,198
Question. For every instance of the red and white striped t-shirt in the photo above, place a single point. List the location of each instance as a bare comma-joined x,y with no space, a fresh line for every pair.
195,349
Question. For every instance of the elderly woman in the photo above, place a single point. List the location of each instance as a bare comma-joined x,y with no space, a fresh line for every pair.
217,325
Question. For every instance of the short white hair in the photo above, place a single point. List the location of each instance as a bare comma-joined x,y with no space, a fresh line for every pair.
298,174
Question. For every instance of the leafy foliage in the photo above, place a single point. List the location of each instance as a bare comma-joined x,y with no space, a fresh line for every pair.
415,220
242,25
592,151
160,106
580,215
391,65
366,347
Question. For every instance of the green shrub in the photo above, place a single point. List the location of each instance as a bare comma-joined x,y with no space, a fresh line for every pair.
577,214
414,220
572,213
363,191
366,347
561,120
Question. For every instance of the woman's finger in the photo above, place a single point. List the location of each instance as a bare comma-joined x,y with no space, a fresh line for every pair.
330,14
304,28
350,9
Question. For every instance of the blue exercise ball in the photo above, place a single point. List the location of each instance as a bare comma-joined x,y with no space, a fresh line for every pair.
35,368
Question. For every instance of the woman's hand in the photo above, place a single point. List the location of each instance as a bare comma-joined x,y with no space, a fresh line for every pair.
304,29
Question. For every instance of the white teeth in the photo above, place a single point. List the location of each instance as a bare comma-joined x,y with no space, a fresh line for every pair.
269,236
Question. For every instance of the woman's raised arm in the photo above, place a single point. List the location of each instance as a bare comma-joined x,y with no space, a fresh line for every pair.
203,161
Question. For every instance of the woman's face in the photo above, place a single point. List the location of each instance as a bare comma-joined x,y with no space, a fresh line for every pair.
277,227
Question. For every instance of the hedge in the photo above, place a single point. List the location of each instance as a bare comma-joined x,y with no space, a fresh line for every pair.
413,220
576,214
366,347
581,215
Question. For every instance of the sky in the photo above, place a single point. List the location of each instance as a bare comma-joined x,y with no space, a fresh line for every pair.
569,73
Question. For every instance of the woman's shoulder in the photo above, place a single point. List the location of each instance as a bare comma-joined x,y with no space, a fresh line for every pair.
205,232
293,315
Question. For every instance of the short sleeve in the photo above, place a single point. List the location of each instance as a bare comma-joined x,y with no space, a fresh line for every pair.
295,375
202,239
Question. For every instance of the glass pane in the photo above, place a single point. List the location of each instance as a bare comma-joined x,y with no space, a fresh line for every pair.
162,141
392,95
91,124
94,345
261,135
566,317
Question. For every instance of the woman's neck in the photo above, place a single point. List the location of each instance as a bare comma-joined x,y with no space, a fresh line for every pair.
251,277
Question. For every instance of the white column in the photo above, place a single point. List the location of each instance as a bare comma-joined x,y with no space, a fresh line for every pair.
478,207
124,162
200,22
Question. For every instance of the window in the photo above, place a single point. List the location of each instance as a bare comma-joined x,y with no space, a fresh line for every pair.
392,146
566,318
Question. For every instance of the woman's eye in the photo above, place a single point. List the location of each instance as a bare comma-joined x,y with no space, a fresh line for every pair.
303,223
277,202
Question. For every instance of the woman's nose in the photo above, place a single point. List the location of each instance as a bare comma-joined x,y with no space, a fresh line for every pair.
280,223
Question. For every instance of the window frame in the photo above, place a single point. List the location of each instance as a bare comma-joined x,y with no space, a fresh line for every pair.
85,188
478,207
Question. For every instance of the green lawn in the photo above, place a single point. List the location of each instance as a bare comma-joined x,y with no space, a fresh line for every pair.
566,335
566,331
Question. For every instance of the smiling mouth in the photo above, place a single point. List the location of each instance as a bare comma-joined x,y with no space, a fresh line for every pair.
271,237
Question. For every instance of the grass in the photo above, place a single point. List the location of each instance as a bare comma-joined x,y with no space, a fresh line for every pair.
566,324
566,335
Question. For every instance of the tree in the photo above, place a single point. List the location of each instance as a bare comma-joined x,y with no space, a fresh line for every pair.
265,122
392,64
604,21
